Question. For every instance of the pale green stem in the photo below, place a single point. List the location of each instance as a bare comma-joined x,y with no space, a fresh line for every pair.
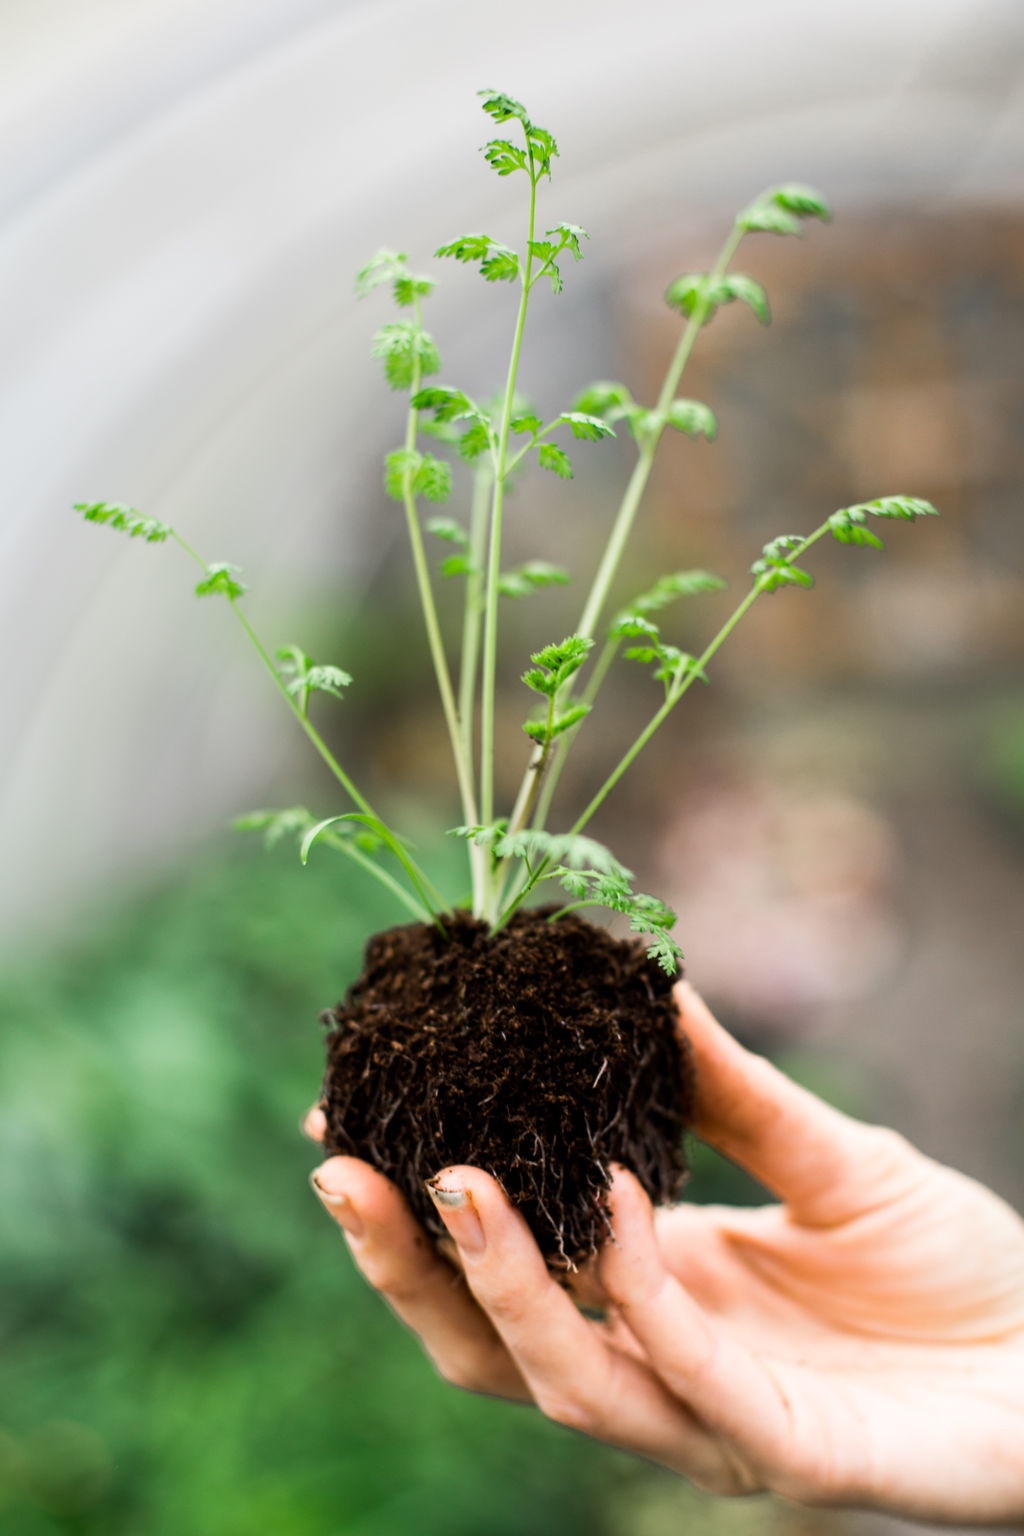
342,845
622,527
675,695
307,725
463,770
473,616
494,554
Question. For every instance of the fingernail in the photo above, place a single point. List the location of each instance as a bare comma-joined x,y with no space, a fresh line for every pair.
339,1205
461,1218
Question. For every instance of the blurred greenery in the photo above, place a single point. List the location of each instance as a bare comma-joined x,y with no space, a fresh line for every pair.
186,1345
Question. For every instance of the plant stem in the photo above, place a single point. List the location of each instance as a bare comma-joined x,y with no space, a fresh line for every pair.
306,724
462,759
494,553
622,527
658,719
473,615
683,687
342,845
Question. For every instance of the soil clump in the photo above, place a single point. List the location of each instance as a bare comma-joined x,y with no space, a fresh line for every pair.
541,1054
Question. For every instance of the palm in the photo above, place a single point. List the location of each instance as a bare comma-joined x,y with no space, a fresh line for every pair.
860,1343
897,1333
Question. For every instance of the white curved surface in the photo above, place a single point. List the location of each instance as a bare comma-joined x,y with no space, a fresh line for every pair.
185,191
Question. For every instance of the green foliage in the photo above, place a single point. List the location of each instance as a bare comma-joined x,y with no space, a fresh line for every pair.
221,578
497,263
533,576
408,353
500,154
612,889
500,436
391,267
699,296
694,418
303,676
781,210
407,471
124,520
671,666
555,664
776,569
670,587
550,456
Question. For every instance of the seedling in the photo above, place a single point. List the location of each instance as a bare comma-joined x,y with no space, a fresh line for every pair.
512,853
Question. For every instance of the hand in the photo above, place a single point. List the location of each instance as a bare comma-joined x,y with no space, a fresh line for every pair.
859,1344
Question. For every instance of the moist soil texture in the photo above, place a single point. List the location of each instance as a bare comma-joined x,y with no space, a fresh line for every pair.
541,1054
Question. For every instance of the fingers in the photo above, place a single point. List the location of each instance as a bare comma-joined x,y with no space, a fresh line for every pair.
398,1259
575,1376
777,1439
314,1124
827,1167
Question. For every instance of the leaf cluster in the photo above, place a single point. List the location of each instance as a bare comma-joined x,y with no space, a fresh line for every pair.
502,155
386,266
613,402
552,668
303,676
124,520
409,472
782,210
408,353
671,665
221,578
647,914
700,295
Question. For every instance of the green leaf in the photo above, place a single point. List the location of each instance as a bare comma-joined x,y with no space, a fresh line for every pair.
448,529
767,217
907,507
383,267
125,520
457,565
693,418
220,578
531,577
689,293
400,344
584,426
604,398
550,456
421,473
569,237
447,404
569,718
526,423
575,852
474,442
275,824
555,664
397,465
498,263
433,478
736,286
304,676
502,107
847,527
697,297
802,200
504,157
667,588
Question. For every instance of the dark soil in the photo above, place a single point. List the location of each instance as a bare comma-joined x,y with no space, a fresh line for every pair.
541,1055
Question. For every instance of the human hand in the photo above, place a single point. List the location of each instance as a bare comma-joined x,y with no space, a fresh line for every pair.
859,1344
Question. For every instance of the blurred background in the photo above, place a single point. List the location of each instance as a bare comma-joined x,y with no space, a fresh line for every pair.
186,192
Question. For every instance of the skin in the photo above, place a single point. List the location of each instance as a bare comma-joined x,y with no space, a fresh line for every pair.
858,1344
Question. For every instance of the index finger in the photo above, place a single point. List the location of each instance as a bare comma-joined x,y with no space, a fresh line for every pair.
826,1166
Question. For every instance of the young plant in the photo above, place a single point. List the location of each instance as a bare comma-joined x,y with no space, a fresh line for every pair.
512,854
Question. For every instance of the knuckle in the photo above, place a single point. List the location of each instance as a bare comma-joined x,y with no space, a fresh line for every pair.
561,1407
469,1373
382,1274
503,1302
